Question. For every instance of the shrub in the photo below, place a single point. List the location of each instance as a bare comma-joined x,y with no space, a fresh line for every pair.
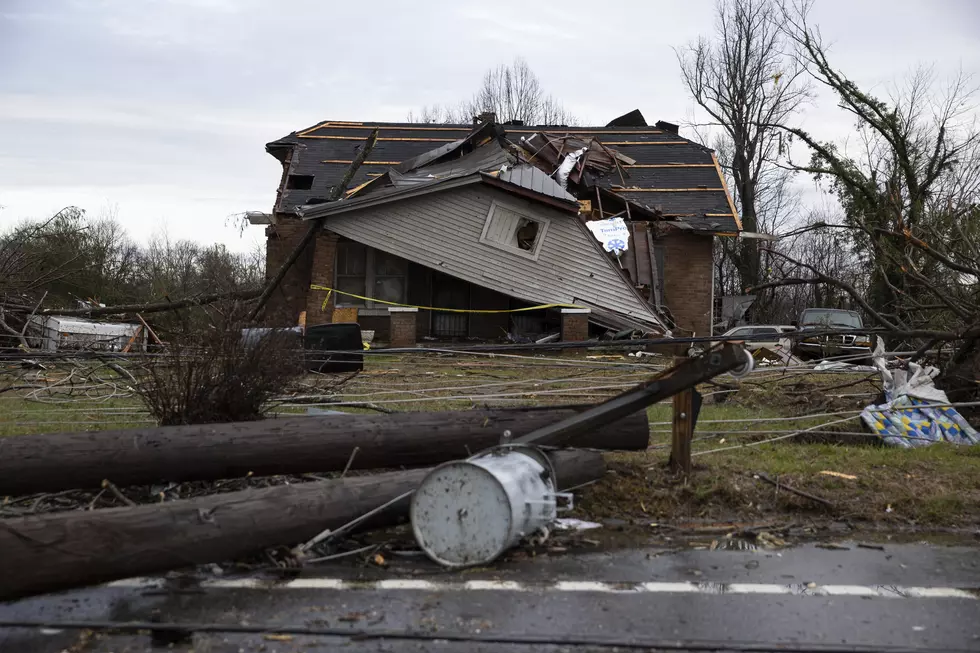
210,376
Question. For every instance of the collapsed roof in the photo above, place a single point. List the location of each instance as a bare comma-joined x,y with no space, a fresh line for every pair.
660,174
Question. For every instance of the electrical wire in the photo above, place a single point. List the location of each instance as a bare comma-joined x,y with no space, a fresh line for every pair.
362,634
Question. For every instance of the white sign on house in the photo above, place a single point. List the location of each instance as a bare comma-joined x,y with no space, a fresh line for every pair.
612,233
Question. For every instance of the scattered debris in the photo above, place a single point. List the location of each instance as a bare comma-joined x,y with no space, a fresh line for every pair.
849,477
782,486
572,524
769,540
832,547
876,547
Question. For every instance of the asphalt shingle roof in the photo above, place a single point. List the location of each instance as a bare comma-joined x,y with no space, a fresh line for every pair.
672,174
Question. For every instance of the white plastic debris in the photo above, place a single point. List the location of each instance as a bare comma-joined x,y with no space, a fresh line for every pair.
565,169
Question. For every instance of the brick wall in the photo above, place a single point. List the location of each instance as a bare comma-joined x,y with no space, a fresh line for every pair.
574,324
290,298
687,281
322,273
402,327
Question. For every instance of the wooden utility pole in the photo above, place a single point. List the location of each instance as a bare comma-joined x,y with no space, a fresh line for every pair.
51,462
682,433
46,553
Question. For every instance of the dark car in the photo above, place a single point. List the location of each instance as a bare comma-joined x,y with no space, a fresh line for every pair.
826,345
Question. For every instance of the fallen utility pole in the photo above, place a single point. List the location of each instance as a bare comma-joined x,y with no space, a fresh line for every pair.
315,225
687,374
66,550
52,462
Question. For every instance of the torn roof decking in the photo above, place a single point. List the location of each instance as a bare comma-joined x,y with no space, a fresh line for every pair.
675,175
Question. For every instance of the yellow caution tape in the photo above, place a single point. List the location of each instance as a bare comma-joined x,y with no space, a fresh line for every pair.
330,291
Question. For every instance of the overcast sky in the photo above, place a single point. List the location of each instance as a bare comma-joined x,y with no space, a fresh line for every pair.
160,110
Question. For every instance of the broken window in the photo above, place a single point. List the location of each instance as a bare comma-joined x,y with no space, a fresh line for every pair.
367,272
299,182
508,229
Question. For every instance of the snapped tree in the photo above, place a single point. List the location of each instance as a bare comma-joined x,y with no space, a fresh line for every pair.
910,193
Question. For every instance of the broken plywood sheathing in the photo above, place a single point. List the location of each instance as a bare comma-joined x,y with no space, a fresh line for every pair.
455,233
479,150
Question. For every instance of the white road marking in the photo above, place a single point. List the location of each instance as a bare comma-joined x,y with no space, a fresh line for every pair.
758,588
572,586
496,585
669,588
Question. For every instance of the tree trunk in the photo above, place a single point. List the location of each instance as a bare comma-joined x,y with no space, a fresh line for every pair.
290,445
73,549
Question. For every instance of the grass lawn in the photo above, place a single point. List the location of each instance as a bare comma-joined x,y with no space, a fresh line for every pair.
928,486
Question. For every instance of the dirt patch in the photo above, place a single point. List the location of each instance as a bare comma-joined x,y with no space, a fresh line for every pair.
936,486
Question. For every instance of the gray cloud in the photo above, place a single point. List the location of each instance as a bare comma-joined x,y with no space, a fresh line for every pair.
163,108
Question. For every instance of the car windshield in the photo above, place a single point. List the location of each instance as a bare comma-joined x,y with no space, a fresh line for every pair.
832,318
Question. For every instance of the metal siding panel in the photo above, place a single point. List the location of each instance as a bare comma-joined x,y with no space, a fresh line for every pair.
443,232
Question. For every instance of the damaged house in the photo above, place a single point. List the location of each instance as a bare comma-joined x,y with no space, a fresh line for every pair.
510,229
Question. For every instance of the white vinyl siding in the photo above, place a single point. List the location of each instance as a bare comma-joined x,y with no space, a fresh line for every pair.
443,231
514,231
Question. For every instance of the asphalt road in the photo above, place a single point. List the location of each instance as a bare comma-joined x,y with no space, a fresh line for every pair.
907,597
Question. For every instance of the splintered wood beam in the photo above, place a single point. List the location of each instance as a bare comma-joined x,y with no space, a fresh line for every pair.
682,432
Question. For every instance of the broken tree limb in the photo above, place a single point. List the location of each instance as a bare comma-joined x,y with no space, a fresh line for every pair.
60,551
293,445
156,307
783,486
315,225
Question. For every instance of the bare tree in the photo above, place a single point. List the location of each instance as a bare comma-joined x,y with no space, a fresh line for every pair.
744,80
510,92
442,114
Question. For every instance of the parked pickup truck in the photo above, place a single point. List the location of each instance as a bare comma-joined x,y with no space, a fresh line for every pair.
853,344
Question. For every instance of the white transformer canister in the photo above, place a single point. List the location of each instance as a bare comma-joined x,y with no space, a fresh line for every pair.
468,512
